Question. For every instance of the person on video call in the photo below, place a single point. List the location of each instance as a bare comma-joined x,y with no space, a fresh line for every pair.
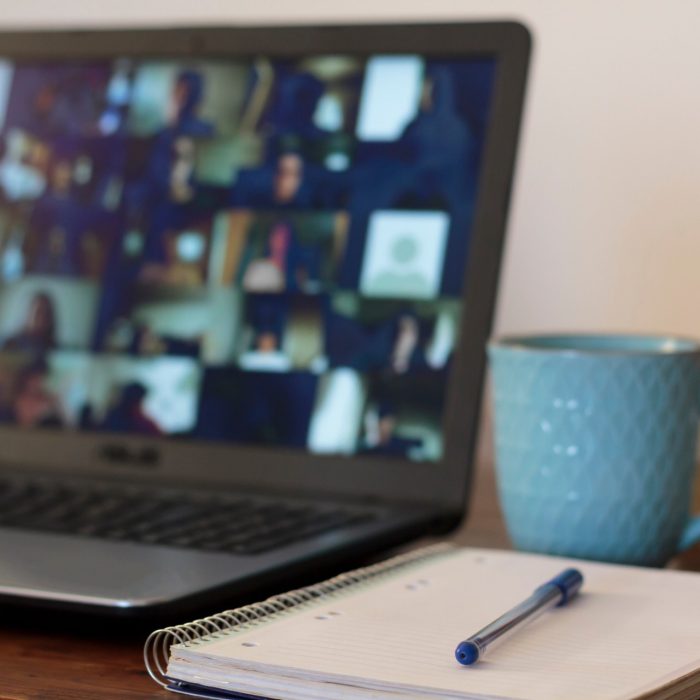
268,315
285,183
281,266
440,143
185,105
33,404
170,177
380,436
171,187
57,220
396,345
64,103
128,414
23,166
146,342
288,179
169,184
38,332
58,255
267,318
298,96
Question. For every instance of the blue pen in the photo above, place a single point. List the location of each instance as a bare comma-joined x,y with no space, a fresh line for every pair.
559,591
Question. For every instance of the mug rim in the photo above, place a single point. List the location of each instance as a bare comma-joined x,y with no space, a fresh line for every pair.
599,344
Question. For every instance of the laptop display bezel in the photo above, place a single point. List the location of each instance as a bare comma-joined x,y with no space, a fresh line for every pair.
138,459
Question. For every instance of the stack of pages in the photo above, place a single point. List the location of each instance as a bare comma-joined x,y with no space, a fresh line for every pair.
389,631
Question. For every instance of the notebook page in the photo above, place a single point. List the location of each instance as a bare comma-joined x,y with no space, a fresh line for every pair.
630,630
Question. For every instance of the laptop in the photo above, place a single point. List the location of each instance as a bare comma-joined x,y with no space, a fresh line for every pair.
246,276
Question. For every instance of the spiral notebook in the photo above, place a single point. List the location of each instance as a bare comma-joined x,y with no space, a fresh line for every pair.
389,631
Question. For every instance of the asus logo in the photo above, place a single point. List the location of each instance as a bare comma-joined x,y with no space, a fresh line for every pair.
141,457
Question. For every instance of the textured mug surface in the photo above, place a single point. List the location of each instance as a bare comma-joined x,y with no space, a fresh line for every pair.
595,444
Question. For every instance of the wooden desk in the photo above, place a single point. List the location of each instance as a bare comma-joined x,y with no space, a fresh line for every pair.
40,662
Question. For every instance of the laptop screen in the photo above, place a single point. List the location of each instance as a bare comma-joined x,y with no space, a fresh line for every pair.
266,252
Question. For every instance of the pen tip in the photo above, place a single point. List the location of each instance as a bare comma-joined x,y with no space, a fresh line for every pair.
467,653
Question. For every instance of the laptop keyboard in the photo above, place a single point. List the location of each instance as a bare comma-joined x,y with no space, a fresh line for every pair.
238,525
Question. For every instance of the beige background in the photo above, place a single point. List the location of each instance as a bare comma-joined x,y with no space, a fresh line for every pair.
605,225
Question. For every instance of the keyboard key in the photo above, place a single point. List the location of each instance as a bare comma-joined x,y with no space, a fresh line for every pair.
237,525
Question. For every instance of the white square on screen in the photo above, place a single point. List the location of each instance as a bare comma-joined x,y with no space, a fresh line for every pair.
390,97
404,254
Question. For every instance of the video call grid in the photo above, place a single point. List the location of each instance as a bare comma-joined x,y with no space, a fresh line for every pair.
266,252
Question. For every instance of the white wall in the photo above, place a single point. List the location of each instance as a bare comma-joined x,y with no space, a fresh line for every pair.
605,227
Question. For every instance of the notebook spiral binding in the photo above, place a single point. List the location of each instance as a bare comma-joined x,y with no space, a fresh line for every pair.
157,647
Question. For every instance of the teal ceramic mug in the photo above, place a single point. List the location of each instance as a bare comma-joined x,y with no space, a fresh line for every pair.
595,440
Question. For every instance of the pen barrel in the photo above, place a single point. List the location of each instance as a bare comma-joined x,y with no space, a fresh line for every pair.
530,609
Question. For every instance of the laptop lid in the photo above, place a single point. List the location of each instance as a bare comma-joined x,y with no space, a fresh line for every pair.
254,256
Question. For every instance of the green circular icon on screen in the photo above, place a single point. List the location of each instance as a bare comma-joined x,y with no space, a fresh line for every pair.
404,249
